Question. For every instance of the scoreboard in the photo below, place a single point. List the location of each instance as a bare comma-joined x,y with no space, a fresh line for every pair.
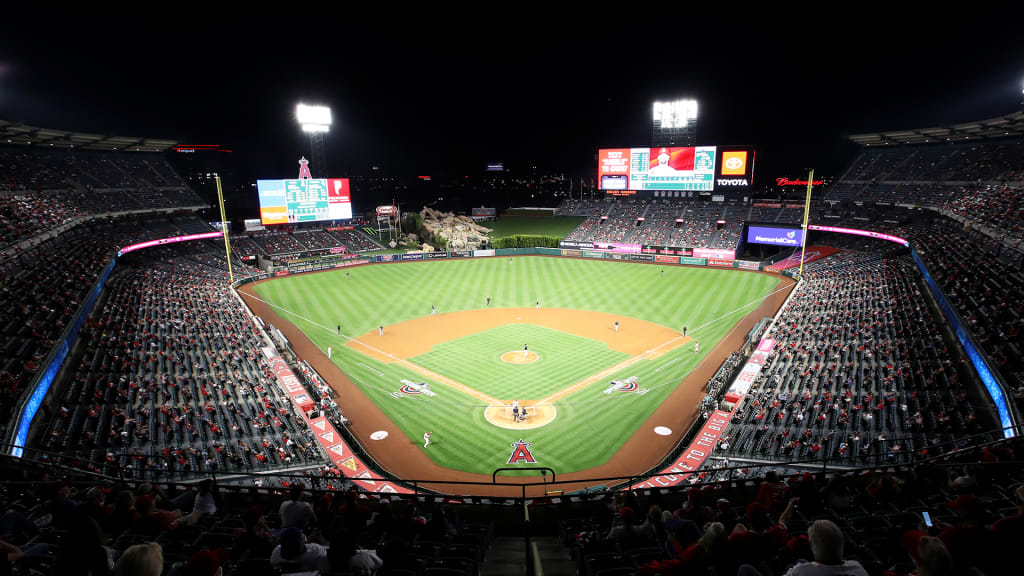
666,168
304,200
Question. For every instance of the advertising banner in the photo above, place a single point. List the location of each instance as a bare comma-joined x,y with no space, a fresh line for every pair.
745,379
482,253
720,263
642,257
714,253
773,236
811,253
692,458
253,225
462,254
347,263
856,232
388,257
575,244
748,265
281,273
171,240
341,454
413,256
666,259
574,253
693,261
615,247
592,254
337,249
435,255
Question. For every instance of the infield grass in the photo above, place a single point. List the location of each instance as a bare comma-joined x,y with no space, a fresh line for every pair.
590,425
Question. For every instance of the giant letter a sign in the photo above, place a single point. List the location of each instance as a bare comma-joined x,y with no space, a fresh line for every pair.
521,453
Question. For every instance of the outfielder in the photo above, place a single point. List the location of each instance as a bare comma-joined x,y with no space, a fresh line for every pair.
426,439
696,347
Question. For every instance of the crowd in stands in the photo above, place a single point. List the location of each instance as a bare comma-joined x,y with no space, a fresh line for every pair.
294,239
277,242
172,379
698,227
860,371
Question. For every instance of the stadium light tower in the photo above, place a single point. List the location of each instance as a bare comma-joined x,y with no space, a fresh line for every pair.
674,123
315,121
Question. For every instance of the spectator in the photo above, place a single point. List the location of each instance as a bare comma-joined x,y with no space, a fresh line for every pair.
294,554
827,546
773,492
124,515
346,555
207,563
933,558
257,539
295,512
141,560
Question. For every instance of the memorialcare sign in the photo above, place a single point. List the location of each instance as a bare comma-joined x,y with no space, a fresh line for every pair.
775,236
340,453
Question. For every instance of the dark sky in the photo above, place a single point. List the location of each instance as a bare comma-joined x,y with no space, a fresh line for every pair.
422,98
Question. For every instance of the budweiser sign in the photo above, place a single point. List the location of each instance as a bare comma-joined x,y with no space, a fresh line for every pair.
788,182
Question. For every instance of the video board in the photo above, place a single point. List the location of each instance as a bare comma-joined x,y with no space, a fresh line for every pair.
775,235
304,200
665,168
735,167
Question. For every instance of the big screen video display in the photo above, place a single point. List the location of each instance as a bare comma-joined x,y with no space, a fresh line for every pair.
774,236
304,200
666,168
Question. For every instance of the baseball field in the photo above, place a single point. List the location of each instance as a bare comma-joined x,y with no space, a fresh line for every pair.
450,363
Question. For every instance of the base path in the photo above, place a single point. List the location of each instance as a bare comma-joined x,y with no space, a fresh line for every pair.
404,459
417,336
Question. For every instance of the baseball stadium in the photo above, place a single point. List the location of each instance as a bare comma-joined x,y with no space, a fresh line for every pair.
666,363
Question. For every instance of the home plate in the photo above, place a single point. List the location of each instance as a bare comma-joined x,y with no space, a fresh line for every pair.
662,431
379,435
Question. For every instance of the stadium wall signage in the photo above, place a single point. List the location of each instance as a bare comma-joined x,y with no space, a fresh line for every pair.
695,454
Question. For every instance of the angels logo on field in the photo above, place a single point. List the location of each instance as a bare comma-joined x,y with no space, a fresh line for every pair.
412,389
521,453
631,384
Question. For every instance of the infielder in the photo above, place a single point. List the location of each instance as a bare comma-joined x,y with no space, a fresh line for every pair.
488,300
684,330
426,439
432,309
616,325
381,329
525,351
696,347
538,304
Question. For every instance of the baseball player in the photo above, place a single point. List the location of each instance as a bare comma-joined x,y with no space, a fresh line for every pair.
329,351
432,309
684,330
515,414
538,304
488,300
381,329
426,439
662,273
696,347
525,351
616,325
339,329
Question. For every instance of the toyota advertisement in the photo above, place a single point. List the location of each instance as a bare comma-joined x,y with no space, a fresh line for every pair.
735,167
775,236
666,168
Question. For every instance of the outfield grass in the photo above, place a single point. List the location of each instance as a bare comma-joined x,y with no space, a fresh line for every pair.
555,226
590,425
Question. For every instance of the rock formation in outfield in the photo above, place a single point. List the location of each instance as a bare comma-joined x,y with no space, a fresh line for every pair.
461,232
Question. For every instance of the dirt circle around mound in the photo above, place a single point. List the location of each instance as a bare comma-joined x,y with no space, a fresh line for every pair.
500,415
517,357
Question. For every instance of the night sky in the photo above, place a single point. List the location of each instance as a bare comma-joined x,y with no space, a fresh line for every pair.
426,99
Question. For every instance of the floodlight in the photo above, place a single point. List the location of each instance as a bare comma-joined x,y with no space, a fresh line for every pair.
675,114
315,128
313,114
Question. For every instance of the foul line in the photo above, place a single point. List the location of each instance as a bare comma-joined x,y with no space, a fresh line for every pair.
665,365
378,373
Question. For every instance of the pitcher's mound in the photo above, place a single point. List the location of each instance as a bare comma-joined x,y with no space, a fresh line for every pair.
517,357
537,416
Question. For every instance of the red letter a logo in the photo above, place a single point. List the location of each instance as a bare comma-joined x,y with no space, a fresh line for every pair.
521,453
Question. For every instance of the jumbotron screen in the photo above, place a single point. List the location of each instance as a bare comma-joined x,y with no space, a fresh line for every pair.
304,200
775,235
667,168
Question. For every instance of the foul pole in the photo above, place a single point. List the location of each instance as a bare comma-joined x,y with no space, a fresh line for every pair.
224,229
807,212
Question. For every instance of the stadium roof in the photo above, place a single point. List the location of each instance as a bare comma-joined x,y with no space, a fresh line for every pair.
999,127
21,134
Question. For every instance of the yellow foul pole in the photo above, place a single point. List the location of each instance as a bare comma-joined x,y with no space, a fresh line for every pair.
807,212
224,229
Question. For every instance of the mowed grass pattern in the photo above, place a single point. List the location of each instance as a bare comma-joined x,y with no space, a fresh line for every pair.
512,225
476,361
591,425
